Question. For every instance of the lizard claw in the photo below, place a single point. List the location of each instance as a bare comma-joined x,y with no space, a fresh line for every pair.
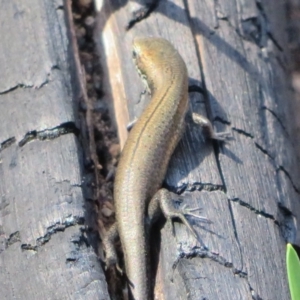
170,212
113,262
189,212
181,215
222,136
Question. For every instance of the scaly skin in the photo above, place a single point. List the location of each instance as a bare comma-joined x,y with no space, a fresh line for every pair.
146,154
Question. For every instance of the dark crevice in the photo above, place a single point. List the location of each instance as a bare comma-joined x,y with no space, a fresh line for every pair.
28,247
43,84
281,168
74,185
284,210
263,150
54,67
276,117
81,239
214,187
272,38
287,224
13,238
50,134
240,273
68,260
221,120
269,34
202,252
22,86
57,227
196,186
7,143
142,13
78,241
256,211
254,295
283,63
247,134
235,232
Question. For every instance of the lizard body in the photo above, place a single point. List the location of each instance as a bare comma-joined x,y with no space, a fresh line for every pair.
147,151
138,195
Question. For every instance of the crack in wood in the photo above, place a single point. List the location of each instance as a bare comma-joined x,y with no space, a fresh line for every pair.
50,134
287,225
282,169
254,294
221,120
256,211
264,151
185,252
7,143
143,12
269,33
18,86
13,238
53,229
196,186
278,167
243,132
276,117
31,86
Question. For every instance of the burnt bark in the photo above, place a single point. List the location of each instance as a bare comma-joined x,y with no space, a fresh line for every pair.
237,58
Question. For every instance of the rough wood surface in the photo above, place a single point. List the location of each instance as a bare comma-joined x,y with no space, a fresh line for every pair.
45,252
236,56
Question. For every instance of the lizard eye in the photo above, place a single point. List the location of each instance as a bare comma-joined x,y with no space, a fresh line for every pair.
134,54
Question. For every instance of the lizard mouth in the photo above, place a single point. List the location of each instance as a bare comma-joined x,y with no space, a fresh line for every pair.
142,75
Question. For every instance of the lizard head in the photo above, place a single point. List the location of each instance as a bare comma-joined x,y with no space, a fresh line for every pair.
156,60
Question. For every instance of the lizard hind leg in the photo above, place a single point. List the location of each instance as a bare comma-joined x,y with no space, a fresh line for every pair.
109,239
162,202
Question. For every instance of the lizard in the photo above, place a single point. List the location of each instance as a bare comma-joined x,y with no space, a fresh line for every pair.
138,193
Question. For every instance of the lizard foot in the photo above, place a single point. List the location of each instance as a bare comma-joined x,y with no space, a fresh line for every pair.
208,129
182,213
111,258
163,200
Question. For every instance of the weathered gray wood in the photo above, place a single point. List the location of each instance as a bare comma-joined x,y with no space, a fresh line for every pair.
235,51
293,29
45,251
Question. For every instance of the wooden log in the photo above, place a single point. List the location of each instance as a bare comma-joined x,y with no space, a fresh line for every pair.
236,57
45,251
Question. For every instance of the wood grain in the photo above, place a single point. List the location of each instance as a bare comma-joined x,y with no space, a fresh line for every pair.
45,250
236,57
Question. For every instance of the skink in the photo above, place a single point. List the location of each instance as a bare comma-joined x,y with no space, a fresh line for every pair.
144,160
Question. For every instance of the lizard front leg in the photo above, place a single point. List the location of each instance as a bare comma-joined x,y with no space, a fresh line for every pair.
208,128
